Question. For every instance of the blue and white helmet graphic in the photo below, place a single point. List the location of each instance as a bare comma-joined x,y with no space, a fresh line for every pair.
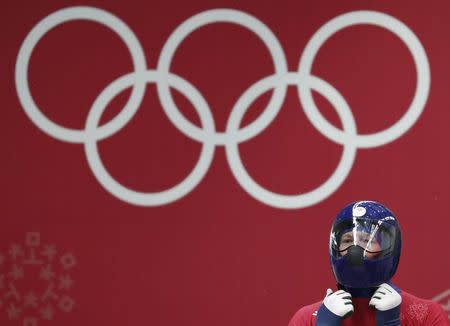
365,245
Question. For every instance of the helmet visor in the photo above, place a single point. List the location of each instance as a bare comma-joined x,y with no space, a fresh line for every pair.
375,237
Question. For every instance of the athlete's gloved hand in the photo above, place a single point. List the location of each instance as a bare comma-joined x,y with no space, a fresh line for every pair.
335,307
386,300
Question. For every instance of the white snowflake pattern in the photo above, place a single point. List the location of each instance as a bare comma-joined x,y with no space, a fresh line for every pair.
16,272
49,293
30,321
47,273
47,312
49,252
15,251
36,260
65,282
30,299
12,293
66,303
32,259
68,261
13,312
32,239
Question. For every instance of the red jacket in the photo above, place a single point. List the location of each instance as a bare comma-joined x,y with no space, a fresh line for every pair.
413,312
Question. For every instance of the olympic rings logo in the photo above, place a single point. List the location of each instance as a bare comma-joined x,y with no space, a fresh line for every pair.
233,135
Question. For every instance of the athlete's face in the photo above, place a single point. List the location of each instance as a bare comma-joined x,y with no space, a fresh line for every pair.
361,239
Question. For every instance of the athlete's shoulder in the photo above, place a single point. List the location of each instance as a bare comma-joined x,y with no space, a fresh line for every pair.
306,315
421,311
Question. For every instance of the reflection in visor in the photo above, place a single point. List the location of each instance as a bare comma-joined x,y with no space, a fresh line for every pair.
362,239
376,237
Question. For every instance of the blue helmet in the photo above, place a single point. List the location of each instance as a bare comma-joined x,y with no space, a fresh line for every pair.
365,245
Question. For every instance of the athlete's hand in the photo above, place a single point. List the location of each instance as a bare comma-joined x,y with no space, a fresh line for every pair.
386,300
339,303
335,307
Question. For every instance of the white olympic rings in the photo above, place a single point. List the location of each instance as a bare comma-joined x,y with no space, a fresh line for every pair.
233,135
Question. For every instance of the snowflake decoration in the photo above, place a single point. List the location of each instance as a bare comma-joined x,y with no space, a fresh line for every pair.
418,311
49,272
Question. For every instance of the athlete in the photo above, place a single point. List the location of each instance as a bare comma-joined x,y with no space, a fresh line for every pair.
365,247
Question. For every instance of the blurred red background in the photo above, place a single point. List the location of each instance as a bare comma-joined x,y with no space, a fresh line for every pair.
217,256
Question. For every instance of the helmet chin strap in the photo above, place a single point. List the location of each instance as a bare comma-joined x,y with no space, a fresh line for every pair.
355,256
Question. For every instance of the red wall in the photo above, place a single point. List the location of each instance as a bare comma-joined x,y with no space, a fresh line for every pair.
218,249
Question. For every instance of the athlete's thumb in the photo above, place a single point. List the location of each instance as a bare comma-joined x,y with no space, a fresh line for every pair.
329,292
